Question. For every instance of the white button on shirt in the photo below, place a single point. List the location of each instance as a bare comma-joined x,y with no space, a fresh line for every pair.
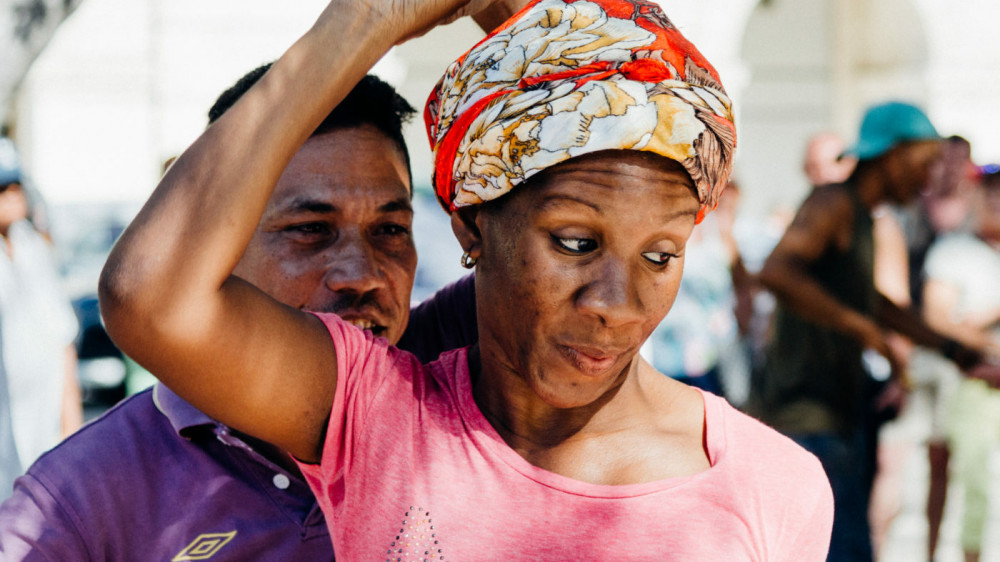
281,481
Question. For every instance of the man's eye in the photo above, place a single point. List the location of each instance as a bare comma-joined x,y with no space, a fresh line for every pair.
309,229
658,258
576,245
393,229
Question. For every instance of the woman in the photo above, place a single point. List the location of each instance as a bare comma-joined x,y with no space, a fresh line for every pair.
549,439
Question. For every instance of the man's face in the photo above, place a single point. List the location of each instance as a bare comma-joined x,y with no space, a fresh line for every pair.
823,164
908,168
336,235
988,211
13,205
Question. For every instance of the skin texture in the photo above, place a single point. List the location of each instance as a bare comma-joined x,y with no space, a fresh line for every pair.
336,235
588,257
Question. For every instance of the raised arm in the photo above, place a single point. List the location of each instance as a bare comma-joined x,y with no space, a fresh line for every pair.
823,221
167,293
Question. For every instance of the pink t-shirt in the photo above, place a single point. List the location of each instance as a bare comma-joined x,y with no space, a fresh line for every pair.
411,470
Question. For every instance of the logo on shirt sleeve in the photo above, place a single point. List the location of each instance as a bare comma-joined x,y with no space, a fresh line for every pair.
204,546
416,540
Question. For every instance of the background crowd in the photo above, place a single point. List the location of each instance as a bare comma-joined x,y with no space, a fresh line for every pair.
893,391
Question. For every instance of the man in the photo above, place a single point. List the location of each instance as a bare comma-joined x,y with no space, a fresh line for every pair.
156,479
815,387
38,326
824,162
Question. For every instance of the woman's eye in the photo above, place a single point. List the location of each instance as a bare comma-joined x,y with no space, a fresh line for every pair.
576,245
658,258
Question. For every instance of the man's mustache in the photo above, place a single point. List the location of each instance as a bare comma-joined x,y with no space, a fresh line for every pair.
366,303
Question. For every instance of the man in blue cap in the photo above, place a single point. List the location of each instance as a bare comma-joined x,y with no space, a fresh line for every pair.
814,387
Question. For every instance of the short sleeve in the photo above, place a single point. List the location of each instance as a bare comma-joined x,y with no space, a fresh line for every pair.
948,260
34,525
366,365
810,541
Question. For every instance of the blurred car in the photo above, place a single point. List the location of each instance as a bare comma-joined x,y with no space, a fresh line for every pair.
101,368
84,235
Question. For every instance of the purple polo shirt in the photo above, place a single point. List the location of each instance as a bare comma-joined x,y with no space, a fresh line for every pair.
156,479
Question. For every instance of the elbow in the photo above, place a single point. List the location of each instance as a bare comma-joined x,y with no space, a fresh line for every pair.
770,276
117,297
780,278
130,294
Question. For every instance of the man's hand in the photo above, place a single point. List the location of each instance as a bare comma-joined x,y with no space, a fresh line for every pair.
889,403
962,355
987,372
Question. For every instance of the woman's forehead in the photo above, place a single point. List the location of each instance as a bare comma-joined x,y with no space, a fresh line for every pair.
609,187
615,169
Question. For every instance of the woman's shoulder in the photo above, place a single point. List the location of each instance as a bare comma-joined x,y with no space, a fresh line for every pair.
754,448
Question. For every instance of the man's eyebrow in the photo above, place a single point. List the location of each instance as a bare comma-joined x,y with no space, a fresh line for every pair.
309,205
397,205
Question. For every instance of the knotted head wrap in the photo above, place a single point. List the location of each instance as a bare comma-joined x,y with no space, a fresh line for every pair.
563,78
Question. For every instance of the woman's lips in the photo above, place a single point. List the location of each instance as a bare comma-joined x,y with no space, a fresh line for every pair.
589,360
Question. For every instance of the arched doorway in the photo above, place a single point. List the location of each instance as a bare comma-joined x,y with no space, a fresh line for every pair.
814,65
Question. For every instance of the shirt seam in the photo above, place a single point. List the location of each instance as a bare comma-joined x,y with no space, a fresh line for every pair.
49,488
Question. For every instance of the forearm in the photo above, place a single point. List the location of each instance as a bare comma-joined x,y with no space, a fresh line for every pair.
800,293
184,244
908,324
966,333
168,296
983,319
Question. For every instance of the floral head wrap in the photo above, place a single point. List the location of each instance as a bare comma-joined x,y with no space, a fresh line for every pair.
563,78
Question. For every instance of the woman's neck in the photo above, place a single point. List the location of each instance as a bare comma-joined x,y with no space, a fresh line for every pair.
524,420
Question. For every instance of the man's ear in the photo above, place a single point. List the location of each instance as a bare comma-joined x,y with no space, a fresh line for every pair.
465,225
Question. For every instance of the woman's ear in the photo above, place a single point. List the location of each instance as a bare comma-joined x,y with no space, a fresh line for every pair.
465,225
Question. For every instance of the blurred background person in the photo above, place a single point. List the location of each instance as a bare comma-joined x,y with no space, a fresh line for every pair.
37,323
704,346
893,281
815,387
943,208
10,464
825,162
961,298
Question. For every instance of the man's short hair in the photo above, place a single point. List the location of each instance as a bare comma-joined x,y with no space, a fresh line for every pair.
371,102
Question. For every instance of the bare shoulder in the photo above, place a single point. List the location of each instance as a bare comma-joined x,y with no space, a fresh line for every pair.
824,219
825,205
679,414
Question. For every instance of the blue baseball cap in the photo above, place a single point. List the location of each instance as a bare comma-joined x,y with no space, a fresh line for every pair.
10,165
889,124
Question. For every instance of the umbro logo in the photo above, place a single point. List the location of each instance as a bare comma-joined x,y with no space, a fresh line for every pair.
204,546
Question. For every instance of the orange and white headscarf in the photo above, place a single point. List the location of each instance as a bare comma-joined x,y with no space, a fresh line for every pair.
563,78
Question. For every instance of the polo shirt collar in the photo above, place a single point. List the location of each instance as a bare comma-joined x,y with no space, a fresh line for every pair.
181,414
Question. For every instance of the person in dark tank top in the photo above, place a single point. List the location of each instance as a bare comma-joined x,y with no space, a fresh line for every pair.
814,386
